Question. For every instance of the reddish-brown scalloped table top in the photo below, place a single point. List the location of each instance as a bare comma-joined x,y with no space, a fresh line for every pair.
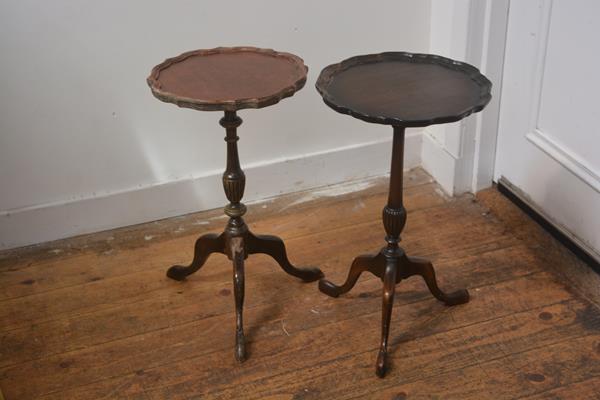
228,78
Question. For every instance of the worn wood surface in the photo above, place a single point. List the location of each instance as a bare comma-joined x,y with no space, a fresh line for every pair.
94,317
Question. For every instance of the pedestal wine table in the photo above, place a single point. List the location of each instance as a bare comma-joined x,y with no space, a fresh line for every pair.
230,79
402,90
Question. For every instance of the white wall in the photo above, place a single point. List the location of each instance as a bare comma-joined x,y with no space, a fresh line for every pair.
85,147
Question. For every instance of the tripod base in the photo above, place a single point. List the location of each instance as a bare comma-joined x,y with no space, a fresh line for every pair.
391,266
237,242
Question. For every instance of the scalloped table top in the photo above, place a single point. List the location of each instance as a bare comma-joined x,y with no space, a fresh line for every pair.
228,78
404,89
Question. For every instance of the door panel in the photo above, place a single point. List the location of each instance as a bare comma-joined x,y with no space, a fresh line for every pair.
569,113
548,138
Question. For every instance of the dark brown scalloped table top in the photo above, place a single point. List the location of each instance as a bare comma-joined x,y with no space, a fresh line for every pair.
404,89
228,78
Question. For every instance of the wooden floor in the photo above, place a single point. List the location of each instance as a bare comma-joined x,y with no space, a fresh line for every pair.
95,317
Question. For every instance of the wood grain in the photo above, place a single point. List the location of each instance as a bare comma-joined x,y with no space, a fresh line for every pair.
404,89
135,334
228,78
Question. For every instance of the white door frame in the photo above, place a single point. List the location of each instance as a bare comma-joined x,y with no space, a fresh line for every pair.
461,156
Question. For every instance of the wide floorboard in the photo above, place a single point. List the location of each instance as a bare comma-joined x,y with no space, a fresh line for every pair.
95,317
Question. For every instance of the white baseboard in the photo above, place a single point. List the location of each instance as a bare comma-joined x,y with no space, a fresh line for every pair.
438,162
53,221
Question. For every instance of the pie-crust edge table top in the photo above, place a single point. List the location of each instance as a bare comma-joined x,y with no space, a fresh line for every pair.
404,89
228,78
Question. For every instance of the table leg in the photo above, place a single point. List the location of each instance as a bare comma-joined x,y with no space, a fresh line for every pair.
389,288
204,247
420,266
238,255
274,247
367,262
